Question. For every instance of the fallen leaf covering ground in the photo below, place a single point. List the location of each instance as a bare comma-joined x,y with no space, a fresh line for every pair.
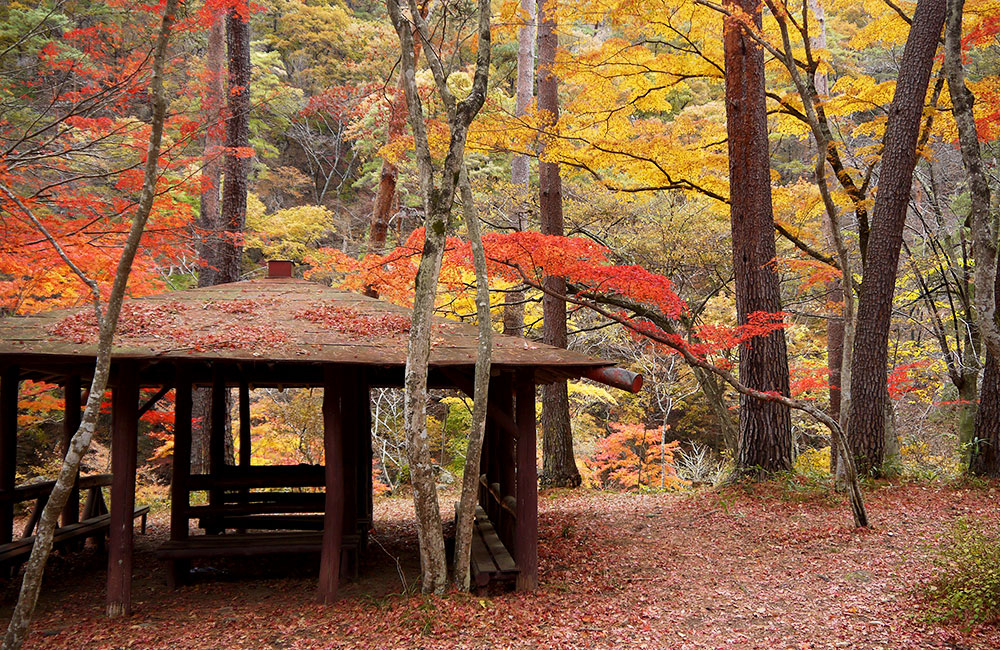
745,567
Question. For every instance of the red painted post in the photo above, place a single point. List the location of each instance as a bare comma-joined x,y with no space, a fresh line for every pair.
179,491
71,422
333,520
124,438
9,384
526,533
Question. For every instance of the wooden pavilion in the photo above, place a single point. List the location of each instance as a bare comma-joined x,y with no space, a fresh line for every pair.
278,332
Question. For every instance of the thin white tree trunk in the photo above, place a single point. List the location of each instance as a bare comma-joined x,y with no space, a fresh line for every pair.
484,355
17,629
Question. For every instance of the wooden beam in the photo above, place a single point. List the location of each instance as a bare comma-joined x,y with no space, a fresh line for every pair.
329,569
10,382
151,402
71,422
526,532
180,481
124,438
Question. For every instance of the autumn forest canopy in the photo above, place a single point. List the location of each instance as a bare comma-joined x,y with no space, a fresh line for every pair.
783,215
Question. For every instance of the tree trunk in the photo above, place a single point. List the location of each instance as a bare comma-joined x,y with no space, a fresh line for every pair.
389,174
437,201
238,152
20,620
866,431
765,435
214,113
984,448
477,428
558,463
520,165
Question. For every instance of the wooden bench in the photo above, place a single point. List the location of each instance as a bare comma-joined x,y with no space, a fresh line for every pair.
490,561
95,522
257,544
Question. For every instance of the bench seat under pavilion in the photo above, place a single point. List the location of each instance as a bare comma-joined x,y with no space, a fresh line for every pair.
280,332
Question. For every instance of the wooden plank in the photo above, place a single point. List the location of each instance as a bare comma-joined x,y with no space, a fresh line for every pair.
526,530
250,544
124,438
9,386
329,572
262,476
71,422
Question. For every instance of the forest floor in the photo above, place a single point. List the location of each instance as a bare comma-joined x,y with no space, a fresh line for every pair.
745,567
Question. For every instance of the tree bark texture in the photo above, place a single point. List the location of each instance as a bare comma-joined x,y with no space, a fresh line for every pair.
520,165
481,392
558,463
866,429
438,199
389,174
237,161
984,448
214,113
765,437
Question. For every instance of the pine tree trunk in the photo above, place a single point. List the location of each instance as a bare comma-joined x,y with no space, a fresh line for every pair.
866,430
984,453
558,463
237,163
520,165
765,437
389,174
214,113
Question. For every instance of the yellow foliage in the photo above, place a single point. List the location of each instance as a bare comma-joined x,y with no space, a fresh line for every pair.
813,461
288,233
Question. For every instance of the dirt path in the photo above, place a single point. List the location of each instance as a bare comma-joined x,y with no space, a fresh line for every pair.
731,569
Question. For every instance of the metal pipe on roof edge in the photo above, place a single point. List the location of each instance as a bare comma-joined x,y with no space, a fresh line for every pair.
616,377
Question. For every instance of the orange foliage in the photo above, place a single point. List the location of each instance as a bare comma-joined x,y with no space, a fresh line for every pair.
633,457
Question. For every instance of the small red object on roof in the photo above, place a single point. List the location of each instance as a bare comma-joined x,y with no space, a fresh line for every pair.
279,268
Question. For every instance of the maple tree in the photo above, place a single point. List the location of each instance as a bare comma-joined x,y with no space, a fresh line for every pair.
107,319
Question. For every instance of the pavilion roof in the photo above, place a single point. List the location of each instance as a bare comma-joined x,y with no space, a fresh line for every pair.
274,320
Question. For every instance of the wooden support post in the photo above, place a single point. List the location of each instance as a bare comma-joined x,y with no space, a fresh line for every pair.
365,487
350,425
179,492
217,438
526,532
244,424
492,471
9,384
244,460
124,438
71,422
502,394
333,520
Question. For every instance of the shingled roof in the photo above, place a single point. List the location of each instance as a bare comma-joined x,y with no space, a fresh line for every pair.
276,320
